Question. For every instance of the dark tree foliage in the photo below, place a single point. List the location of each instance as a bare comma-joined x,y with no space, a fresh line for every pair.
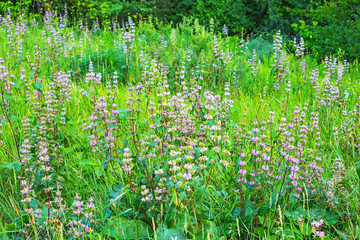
337,29
238,15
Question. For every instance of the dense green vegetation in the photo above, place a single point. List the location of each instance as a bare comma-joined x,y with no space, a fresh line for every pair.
146,131
328,27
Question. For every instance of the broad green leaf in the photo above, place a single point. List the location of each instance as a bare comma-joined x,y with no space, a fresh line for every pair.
117,193
38,86
123,113
165,234
12,165
120,228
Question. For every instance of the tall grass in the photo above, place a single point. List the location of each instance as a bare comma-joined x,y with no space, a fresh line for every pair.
152,132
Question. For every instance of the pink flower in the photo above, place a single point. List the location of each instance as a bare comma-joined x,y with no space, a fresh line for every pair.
114,113
78,203
265,168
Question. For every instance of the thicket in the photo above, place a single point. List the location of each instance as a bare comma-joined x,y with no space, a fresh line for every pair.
328,27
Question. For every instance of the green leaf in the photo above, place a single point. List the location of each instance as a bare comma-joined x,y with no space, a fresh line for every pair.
12,165
126,141
34,203
38,86
182,196
117,193
11,227
69,150
120,228
165,234
199,192
341,234
123,113
331,218
251,209
261,232
32,74
358,168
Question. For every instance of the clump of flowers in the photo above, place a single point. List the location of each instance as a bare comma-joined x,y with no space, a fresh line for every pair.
316,227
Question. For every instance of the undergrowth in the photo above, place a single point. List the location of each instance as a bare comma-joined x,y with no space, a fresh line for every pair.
153,132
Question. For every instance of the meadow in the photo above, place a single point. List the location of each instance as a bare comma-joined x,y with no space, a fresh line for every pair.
156,132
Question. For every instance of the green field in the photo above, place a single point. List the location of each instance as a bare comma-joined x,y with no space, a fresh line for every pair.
155,132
